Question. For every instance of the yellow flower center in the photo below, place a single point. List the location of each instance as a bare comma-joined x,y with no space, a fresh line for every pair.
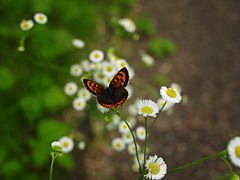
147,110
100,76
122,64
41,18
124,126
154,168
115,58
65,144
172,93
96,55
84,94
109,68
142,132
70,88
129,136
25,24
237,151
118,144
79,103
76,70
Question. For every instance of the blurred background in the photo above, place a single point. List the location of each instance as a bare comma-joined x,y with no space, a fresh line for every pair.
194,43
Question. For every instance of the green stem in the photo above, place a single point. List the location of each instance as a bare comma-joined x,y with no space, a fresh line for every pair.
54,156
225,176
145,145
228,165
156,117
221,154
134,139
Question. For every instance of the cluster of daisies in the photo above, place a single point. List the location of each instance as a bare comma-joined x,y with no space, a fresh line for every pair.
66,144
101,67
156,167
39,18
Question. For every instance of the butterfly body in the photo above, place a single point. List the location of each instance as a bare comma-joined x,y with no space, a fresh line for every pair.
115,94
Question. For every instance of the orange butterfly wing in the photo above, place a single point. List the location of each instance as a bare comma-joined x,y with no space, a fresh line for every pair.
93,87
113,96
120,79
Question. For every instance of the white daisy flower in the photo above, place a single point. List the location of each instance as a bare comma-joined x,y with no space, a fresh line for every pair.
76,70
135,167
123,128
84,93
96,66
79,104
132,120
81,145
98,76
40,18
127,137
70,88
131,148
96,56
131,72
141,132
140,157
234,151
106,80
78,43
110,127
118,144
171,95
147,108
67,144
121,63
26,24
86,65
102,109
176,86
115,119
147,59
113,58
156,167
108,69
167,106
127,24
56,146
132,109
130,91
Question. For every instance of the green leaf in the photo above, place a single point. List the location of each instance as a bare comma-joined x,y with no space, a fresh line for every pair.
40,151
7,79
54,98
32,107
161,47
161,80
50,130
146,25
11,168
66,161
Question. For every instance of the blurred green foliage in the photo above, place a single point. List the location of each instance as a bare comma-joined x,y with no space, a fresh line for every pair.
31,82
161,47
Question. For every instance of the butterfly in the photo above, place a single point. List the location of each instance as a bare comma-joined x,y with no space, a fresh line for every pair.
115,94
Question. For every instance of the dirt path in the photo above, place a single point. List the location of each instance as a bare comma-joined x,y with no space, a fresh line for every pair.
206,65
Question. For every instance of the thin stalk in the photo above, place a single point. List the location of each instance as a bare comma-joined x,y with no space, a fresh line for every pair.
228,165
134,139
156,117
145,145
54,155
221,154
